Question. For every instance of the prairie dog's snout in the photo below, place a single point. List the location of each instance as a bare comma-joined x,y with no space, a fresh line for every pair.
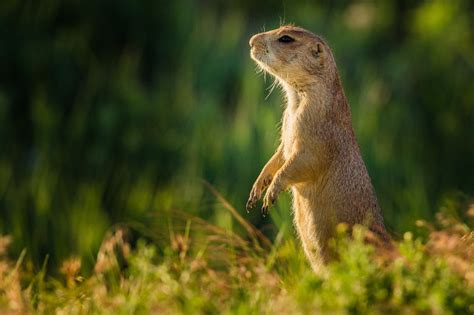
252,40
257,40
258,47
259,50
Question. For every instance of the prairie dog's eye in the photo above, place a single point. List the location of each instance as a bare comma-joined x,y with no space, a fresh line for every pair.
286,39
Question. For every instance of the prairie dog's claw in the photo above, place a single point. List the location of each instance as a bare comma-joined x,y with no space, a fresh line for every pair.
257,191
270,197
250,204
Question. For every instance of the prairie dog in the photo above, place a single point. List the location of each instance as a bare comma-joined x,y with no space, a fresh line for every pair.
318,156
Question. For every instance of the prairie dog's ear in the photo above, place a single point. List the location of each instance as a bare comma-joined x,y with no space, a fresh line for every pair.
318,50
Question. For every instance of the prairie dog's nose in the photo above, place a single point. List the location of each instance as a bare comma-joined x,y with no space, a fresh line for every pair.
252,40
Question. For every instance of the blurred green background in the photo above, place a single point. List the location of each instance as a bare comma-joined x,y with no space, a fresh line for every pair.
116,111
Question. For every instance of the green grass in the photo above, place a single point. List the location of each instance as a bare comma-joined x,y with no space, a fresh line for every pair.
206,269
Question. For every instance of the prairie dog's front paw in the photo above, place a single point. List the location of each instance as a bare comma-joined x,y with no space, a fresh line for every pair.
259,186
271,196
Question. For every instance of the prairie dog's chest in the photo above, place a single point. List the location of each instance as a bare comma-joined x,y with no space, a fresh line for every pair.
289,132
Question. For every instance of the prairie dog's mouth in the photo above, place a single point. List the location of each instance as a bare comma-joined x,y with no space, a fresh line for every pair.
258,53
255,52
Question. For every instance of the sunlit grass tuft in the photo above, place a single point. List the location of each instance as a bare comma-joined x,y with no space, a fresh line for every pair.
207,269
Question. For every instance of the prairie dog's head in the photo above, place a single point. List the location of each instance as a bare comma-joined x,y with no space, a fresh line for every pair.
294,55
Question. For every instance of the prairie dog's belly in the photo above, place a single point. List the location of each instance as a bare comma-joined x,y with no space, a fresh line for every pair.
312,211
304,218
314,224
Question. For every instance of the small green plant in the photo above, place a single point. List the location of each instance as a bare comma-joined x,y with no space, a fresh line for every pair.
212,270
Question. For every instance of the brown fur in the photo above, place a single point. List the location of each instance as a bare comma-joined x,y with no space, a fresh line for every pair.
318,157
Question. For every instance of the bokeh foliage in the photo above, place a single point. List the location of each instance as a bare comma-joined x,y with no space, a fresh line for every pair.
112,110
